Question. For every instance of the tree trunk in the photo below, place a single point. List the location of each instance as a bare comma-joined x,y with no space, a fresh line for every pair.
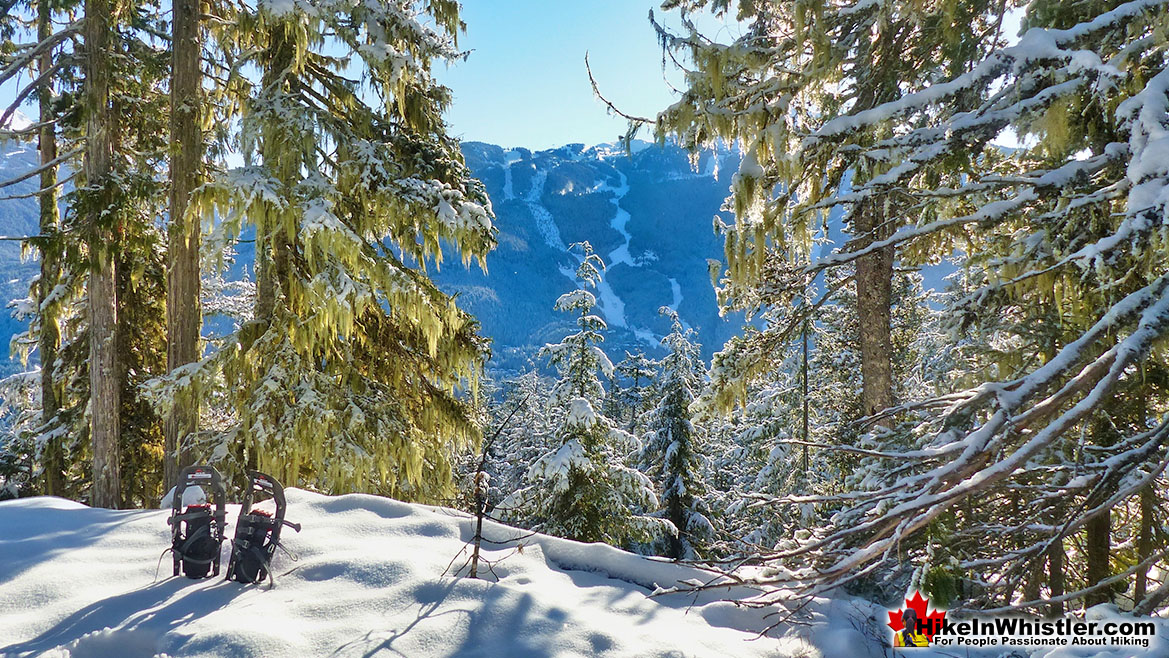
1034,582
1098,542
104,389
1145,541
272,247
183,313
874,300
50,337
1055,576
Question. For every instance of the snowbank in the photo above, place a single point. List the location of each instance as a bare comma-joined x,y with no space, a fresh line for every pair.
77,582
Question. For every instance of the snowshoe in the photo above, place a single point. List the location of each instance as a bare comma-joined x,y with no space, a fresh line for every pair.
197,532
257,532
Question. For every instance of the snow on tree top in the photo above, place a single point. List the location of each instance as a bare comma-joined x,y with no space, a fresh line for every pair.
577,299
580,413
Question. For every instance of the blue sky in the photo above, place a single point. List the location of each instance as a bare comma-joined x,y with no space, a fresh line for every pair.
524,83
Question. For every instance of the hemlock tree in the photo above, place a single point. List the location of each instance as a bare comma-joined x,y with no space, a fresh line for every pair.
184,319
797,67
671,454
102,261
1074,218
349,376
581,490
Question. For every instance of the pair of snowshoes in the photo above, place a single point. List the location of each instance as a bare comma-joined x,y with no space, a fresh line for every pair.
197,533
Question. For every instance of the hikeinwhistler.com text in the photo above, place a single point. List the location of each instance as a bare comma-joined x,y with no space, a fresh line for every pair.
1021,631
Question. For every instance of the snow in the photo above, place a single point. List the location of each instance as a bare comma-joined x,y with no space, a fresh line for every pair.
558,464
620,222
580,413
369,581
279,7
574,299
191,496
676,293
544,222
18,121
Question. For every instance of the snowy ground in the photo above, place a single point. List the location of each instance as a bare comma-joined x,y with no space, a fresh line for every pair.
369,580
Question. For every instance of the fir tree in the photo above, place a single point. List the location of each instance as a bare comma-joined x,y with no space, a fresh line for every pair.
672,443
632,389
1069,220
581,490
351,374
798,67
104,255
531,433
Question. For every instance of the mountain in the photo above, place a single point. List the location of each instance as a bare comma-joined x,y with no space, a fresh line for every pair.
648,213
19,217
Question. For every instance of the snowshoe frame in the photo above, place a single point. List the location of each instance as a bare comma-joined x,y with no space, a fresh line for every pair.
188,526
257,536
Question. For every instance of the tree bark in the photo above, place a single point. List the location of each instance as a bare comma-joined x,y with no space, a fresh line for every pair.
272,247
183,313
874,299
50,336
1098,541
1145,541
104,389
1055,576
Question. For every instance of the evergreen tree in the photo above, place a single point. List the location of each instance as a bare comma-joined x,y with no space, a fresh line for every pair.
351,374
632,389
530,434
799,68
581,490
1068,220
672,444
184,320
49,70
104,256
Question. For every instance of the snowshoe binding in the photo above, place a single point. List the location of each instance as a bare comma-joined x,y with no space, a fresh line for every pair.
257,532
197,532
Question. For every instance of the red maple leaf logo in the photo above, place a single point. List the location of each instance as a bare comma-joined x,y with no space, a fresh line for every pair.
930,624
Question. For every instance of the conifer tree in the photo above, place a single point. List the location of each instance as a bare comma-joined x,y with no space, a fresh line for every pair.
797,67
350,374
581,489
1069,220
117,214
102,289
41,58
671,454
632,388
529,435
183,242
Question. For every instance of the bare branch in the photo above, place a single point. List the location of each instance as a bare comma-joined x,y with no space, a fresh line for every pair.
27,58
44,167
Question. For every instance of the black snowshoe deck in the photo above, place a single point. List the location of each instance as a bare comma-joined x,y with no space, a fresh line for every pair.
257,532
197,532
